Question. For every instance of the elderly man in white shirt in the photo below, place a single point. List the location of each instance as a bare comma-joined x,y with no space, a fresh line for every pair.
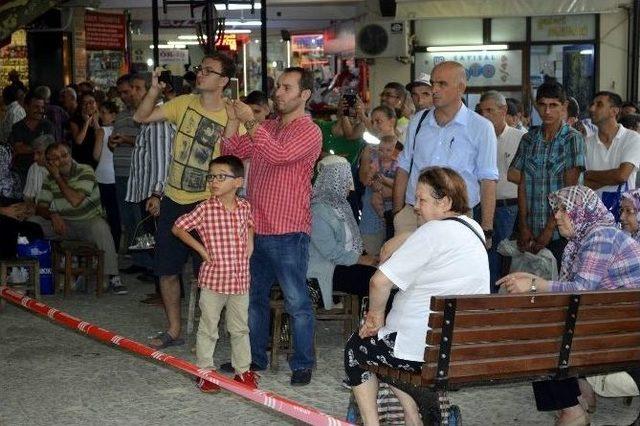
613,153
493,106
35,177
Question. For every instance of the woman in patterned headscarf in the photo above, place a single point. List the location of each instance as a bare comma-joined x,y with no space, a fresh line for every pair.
598,256
336,246
630,213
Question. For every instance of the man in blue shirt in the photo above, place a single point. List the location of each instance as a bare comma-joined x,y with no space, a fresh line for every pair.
450,135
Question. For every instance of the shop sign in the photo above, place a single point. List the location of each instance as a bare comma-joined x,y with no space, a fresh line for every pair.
558,28
104,31
484,69
174,56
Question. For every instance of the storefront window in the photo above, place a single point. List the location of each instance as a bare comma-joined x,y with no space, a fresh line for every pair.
438,32
14,58
508,29
573,65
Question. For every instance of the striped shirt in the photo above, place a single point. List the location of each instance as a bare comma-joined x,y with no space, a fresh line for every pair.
282,160
82,179
607,259
150,161
125,126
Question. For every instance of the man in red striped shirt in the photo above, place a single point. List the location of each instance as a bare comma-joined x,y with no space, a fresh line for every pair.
283,152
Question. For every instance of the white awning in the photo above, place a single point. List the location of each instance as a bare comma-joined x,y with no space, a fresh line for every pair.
422,9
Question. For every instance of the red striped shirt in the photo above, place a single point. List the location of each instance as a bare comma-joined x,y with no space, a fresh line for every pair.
279,180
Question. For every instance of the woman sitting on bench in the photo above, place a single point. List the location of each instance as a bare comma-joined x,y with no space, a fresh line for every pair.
598,256
446,255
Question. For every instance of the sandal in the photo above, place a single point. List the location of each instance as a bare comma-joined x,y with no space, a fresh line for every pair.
167,340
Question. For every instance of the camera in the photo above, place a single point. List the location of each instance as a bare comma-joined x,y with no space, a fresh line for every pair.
165,77
349,97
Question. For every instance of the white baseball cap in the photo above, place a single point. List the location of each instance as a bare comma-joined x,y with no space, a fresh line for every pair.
423,79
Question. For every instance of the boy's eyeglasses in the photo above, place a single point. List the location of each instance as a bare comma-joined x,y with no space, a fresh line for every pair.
206,71
220,177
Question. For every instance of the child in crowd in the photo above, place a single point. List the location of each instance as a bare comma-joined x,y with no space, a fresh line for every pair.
225,226
384,164
105,174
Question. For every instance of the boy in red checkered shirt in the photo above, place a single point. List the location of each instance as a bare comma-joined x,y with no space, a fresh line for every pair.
225,226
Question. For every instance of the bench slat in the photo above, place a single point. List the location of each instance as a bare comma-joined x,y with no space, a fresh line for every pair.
502,301
549,346
535,331
496,317
476,370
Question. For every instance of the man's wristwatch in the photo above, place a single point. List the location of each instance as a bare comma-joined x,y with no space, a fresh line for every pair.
488,233
250,124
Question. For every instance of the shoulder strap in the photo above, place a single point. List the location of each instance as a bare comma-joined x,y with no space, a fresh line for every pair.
415,136
462,221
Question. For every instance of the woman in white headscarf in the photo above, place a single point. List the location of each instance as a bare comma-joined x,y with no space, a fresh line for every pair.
336,245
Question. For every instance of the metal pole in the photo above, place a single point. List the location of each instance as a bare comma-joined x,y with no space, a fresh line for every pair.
263,45
634,47
156,37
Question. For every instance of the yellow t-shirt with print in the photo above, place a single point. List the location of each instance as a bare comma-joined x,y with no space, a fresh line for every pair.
197,141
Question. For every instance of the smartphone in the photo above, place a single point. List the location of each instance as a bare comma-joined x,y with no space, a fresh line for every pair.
165,77
350,100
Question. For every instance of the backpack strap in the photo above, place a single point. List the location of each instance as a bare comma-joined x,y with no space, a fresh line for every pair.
415,136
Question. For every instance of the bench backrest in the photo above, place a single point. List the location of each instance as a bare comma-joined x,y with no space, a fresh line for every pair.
476,339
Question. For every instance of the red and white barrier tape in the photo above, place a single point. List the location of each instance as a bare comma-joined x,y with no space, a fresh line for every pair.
276,402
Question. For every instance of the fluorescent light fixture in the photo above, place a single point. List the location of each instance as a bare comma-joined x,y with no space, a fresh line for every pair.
370,138
252,23
226,31
169,46
586,52
257,6
477,47
182,42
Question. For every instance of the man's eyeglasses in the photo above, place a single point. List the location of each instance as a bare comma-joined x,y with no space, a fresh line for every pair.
220,177
206,71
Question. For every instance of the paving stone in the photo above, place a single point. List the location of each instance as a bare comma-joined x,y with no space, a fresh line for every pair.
50,375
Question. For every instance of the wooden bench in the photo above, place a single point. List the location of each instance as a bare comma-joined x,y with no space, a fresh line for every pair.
488,339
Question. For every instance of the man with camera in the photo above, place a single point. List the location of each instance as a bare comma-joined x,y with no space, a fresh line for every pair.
200,119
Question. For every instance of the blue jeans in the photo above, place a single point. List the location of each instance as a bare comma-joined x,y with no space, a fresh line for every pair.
504,220
281,258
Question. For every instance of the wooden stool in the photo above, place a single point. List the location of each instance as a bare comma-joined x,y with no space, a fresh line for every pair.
277,338
348,314
90,262
34,276
282,340
193,298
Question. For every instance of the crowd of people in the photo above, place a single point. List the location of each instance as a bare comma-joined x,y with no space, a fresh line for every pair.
398,202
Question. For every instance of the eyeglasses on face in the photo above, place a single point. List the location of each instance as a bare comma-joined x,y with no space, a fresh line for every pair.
220,177
206,71
389,95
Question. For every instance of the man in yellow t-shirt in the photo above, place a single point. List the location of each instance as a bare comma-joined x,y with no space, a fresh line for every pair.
200,120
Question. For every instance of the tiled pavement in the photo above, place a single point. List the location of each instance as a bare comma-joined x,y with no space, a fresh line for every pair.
50,375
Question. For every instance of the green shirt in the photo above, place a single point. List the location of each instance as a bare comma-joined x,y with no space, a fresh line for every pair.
82,179
347,148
